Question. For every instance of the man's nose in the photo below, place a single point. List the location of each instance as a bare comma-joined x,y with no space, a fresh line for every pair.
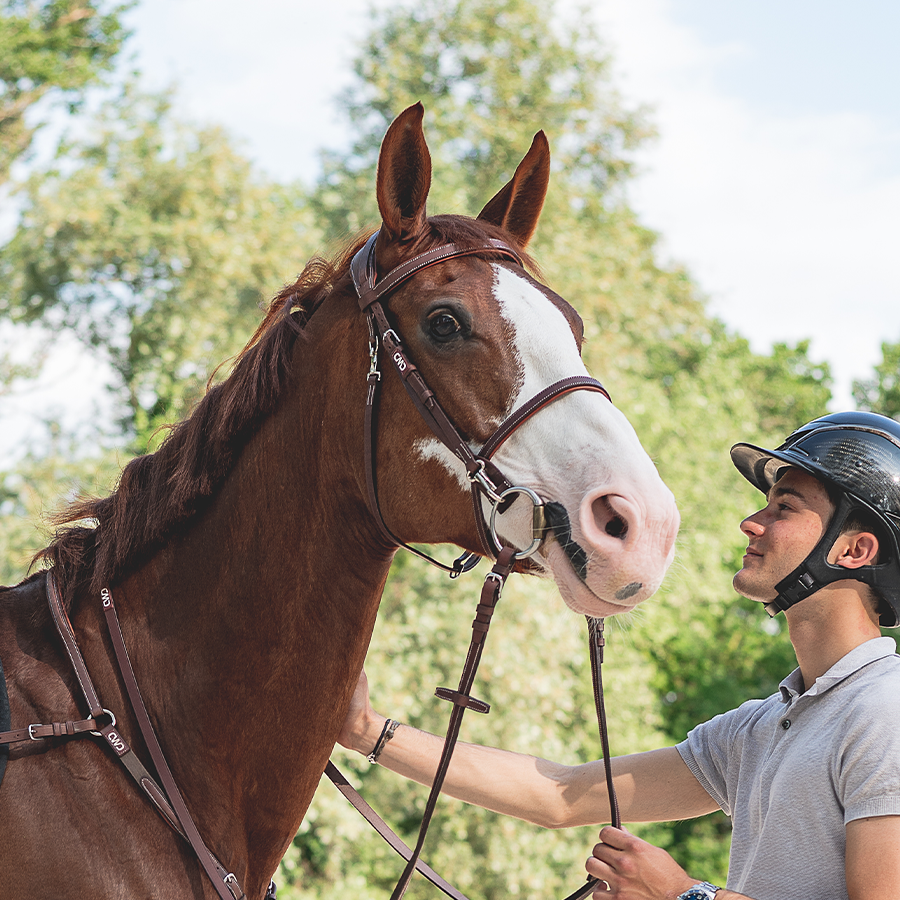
751,526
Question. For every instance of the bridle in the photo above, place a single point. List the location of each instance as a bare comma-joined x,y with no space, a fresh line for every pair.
487,480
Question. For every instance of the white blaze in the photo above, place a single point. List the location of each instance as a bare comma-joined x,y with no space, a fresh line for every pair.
579,446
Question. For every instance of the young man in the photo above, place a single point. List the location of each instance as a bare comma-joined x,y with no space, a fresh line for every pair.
810,776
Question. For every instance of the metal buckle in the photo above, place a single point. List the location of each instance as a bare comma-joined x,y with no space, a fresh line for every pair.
234,888
112,716
31,735
486,484
538,522
373,359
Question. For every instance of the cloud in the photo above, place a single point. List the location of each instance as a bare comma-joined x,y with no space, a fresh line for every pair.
786,218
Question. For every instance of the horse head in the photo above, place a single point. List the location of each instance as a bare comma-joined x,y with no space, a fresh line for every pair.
486,337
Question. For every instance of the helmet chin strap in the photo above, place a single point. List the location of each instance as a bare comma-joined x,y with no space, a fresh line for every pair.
815,572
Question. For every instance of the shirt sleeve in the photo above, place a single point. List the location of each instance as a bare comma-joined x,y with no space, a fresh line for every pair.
867,772
709,752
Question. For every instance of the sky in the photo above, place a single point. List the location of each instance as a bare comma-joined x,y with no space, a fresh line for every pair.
775,179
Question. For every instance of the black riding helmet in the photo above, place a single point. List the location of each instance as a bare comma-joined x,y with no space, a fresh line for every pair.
858,455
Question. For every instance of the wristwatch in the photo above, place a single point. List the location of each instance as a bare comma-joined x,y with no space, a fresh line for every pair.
703,890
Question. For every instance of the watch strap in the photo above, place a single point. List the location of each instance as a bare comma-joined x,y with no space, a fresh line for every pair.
702,890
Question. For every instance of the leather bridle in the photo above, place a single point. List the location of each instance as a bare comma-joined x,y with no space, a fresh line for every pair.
486,479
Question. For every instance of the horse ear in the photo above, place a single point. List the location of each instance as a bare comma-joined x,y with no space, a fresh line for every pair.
517,207
404,175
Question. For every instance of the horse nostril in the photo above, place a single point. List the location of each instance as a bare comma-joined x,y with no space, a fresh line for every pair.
611,516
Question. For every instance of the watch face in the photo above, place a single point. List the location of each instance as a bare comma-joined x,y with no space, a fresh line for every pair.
694,894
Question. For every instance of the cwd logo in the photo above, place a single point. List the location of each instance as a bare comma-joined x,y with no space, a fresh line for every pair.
116,742
105,595
399,361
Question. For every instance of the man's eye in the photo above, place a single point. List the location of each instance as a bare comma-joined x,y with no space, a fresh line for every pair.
443,326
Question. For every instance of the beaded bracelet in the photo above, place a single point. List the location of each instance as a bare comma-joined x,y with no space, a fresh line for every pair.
390,726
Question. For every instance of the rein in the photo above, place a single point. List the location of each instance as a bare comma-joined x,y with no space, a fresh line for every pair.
485,479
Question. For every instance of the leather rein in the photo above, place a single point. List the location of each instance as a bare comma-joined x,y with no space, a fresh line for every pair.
486,480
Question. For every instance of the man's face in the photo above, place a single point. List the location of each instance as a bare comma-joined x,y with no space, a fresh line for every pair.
782,534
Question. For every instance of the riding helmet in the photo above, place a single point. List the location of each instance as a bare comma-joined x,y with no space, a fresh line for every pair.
857,455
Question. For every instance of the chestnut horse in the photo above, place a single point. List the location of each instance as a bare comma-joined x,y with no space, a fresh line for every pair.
247,565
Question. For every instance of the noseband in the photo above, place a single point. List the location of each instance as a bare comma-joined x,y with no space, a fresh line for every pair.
486,479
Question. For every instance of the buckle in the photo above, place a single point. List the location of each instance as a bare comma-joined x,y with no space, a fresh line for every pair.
486,484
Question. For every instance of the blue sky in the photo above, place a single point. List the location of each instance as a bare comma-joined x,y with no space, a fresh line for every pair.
775,179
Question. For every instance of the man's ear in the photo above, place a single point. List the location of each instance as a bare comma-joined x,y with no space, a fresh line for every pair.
855,549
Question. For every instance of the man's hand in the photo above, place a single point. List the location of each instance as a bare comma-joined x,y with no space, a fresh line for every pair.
634,869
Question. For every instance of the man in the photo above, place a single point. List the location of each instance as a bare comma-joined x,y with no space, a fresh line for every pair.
810,776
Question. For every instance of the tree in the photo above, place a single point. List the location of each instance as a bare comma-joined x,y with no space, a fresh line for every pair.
490,75
154,241
30,491
54,47
881,393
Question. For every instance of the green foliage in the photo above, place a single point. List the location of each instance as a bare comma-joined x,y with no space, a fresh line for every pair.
490,75
55,46
32,491
881,393
155,242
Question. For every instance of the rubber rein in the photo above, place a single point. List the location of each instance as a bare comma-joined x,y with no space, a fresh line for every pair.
487,480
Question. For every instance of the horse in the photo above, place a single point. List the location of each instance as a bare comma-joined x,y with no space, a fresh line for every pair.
247,562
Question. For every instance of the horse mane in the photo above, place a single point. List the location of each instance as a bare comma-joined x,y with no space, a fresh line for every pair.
159,492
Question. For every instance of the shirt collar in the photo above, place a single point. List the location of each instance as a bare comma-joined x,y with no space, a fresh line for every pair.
865,653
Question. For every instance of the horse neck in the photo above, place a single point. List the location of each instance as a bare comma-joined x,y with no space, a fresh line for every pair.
251,628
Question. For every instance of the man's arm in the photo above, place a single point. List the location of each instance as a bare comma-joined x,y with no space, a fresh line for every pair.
873,858
652,787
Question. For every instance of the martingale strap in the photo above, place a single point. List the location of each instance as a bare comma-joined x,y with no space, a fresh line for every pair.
169,803
463,700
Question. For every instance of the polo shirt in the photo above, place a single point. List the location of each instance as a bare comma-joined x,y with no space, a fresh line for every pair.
793,769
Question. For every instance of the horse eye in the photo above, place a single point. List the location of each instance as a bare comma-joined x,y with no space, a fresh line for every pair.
443,326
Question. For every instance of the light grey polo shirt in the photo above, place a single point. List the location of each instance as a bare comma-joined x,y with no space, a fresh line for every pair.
793,769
